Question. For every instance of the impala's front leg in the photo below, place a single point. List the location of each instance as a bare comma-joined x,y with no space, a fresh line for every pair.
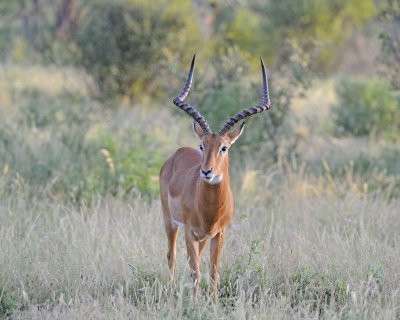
215,252
193,250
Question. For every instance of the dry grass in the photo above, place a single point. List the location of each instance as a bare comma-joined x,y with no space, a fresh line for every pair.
318,101
289,258
299,246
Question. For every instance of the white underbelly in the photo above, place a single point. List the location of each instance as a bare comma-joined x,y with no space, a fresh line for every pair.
178,223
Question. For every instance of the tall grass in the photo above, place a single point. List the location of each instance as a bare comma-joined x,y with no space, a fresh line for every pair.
293,257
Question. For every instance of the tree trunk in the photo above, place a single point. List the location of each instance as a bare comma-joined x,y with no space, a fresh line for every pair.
64,17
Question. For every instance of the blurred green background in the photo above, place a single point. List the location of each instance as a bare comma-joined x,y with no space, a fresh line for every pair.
86,92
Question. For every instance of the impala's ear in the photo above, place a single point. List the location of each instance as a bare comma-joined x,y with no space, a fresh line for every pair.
199,131
235,133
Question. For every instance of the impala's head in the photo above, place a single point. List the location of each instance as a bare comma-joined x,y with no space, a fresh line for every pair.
214,147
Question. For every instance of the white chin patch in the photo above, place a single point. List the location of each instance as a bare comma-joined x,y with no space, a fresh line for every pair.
214,180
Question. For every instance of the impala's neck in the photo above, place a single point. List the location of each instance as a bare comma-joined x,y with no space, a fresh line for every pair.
213,199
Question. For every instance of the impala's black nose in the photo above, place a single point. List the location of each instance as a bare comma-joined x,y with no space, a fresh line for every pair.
206,172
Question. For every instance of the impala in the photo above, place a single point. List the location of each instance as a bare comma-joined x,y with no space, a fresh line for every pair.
194,185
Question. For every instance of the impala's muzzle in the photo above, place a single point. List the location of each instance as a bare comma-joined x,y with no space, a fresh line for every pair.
209,177
206,174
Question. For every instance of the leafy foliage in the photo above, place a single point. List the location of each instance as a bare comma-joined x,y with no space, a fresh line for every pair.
365,107
318,28
390,54
123,46
315,28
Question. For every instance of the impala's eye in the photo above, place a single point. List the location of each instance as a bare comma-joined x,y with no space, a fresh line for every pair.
201,147
223,149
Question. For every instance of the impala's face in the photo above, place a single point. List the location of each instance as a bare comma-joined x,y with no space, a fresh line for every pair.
214,149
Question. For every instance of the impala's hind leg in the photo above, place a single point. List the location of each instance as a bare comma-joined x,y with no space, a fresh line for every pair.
172,232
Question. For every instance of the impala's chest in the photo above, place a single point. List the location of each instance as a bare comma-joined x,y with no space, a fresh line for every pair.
212,222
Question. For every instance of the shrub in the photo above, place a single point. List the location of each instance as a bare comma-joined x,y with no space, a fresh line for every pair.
219,86
390,42
123,46
365,107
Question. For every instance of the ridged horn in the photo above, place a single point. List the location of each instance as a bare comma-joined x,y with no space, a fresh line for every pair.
179,101
265,105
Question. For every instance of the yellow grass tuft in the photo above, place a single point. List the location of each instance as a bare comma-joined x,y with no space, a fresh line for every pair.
109,160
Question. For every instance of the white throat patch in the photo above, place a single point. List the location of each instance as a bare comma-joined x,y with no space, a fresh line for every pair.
214,180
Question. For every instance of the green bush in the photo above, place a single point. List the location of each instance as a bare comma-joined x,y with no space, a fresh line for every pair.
390,42
133,164
124,46
219,89
365,107
376,170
